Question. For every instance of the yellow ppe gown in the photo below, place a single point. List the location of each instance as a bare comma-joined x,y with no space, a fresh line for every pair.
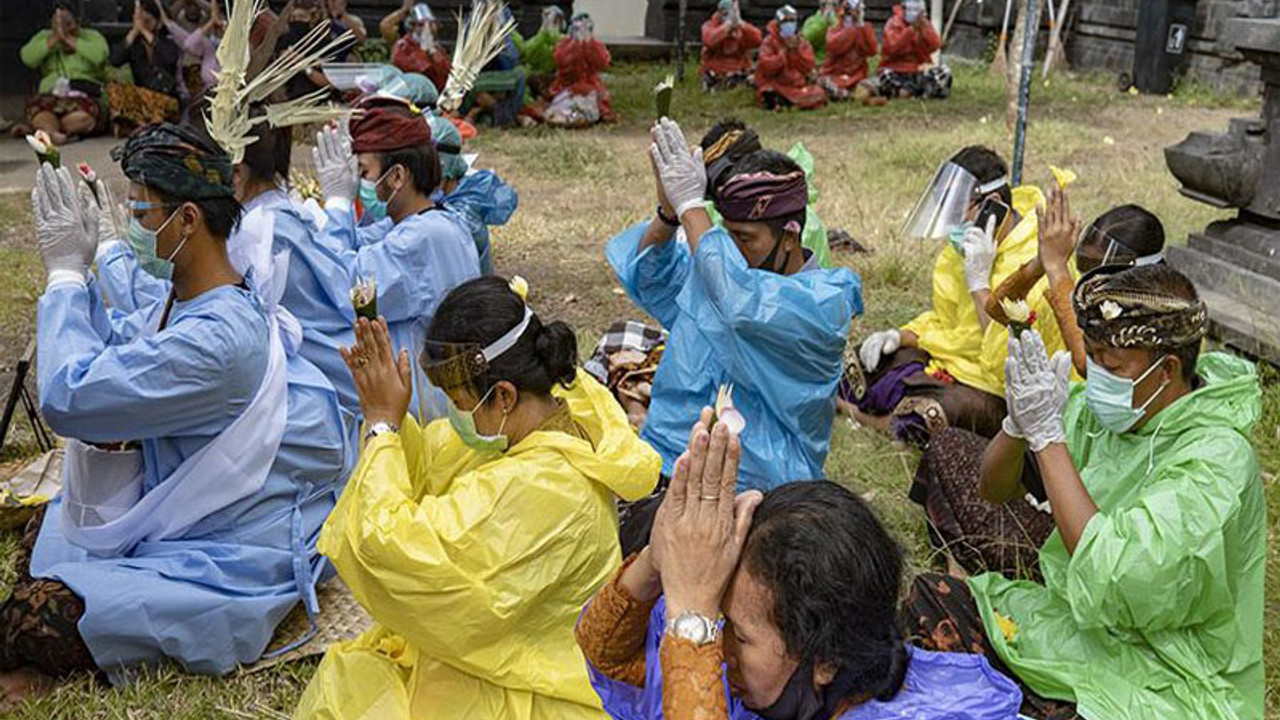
475,567
951,332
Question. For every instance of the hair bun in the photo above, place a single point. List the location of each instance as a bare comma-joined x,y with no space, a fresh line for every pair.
557,349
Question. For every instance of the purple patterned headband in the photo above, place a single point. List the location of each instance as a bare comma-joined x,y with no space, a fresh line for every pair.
762,196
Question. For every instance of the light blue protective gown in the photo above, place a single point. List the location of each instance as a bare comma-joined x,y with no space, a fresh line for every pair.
779,340
482,200
212,598
415,262
317,288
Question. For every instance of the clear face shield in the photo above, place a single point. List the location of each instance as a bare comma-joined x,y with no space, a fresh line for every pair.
943,205
1097,248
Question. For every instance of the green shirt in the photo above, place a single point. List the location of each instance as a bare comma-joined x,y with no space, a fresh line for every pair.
538,52
1159,612
88,62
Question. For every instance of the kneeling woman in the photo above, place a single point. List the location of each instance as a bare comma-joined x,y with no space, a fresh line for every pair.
475,542
807,580
1152,600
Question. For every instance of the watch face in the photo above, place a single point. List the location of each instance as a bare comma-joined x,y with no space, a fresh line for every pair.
692,628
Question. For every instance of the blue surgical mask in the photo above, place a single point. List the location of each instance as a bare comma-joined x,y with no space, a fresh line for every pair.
788,28
464,424
373,206
1110,397
143,243
956,236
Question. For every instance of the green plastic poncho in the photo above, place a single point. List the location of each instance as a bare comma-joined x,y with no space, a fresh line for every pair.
1158,614
537,54
814,237
815,31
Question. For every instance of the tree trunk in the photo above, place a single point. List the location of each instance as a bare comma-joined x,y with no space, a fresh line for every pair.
1015,66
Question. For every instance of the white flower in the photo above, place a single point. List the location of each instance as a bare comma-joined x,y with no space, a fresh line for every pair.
1016,310
364,292
40,142
727,413
1111,310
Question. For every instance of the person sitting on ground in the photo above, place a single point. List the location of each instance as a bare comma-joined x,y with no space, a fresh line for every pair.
579,96
537,54
480,197
340,21
816,26
474,542
748,309
978,536
731,140
786,69
418,50
499,90
275,240
1152,599
851,42
413,251
910,40
72,61
1125,235
945,368
821,643
155,61
727,44
202,457
202,44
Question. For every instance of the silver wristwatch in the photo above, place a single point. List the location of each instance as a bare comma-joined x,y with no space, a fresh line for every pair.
379,428
697,629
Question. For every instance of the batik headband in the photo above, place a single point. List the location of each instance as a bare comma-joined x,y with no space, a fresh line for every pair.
1111,315
176,161
763,196
449,365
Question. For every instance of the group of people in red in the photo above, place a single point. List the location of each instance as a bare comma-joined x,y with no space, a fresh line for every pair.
829,58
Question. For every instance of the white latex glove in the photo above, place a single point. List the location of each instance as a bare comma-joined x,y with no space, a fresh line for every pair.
683,176
876,347
979,256
111,219
1036,390
335,164
66,229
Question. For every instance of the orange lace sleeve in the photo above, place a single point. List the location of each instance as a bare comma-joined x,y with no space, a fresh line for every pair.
1014,287
612,629
1059,296
692,680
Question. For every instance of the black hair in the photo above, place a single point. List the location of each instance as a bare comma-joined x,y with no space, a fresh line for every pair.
833,573
270,155
987,166
221,215
422,162
1162,279
67,7
772,161
482,310
150,7
1137,228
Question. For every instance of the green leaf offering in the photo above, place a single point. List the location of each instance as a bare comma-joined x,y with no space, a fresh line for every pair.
364,298
662,96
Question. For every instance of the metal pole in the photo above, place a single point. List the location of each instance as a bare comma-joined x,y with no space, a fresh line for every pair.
684,6
1024,87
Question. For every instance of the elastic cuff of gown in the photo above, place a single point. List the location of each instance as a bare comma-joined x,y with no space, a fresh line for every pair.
65,278
341,205
698,204
104,248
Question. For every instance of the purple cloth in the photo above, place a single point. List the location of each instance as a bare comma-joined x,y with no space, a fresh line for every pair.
888,390
762,196
938,686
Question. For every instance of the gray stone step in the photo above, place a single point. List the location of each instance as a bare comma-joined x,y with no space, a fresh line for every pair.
1244,306
1237,251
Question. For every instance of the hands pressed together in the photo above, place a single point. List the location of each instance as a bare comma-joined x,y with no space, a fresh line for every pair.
67,226
1058,230
1036,390
702,524
335,164
682,175
384,378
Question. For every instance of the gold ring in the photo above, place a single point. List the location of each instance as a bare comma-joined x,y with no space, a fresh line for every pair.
360,361
709,498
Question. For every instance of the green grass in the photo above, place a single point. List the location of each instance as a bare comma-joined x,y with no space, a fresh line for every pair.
578,189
